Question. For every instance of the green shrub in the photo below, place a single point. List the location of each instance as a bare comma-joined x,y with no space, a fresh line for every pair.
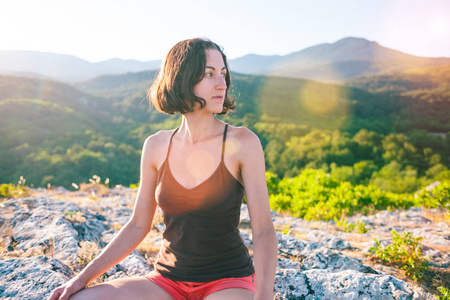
134,185
404,251
316,195
9,190
445,293
272,183
437,198
358,227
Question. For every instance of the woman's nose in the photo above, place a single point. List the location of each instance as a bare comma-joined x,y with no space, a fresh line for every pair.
221,84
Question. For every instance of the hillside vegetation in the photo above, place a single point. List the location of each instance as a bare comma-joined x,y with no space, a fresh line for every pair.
58,134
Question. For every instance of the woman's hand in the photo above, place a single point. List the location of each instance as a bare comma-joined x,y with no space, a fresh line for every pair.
66,290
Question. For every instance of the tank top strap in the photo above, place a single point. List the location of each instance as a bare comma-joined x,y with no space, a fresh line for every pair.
224,141
170,143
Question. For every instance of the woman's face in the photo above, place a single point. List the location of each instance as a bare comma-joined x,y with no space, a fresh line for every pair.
213,86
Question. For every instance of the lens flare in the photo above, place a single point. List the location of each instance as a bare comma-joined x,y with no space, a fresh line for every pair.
233,146
320,102
200,158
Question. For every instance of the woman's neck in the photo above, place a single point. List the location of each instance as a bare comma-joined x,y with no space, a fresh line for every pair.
197,127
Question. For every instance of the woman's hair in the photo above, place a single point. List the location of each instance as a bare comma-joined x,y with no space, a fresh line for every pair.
184,66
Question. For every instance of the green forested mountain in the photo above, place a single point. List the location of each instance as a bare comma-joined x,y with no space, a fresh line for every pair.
278,99
424,94
54,133
57,133
407,82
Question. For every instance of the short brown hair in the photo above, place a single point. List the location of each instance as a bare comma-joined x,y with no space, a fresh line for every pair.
184,66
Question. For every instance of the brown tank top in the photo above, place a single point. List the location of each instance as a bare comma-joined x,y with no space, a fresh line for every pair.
201,242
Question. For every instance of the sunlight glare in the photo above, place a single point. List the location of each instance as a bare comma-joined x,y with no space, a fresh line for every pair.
232,147
440,26
200,158
317,102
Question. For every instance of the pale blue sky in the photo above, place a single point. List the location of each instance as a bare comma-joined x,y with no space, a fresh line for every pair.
146,29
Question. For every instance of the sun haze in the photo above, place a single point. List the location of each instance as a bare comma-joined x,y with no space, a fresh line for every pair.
145,30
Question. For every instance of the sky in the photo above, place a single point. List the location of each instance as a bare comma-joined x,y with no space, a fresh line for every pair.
97,30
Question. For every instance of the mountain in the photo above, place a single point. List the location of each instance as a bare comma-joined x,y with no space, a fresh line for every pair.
254,64
66,67
63,133
344,59
129,65
58,133
329,62
298,101
408,81
120,84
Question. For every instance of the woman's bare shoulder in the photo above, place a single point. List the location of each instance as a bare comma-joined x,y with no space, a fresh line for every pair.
157,144
246,143
158,138
245,136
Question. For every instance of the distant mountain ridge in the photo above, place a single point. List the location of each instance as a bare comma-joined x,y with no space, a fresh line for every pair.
344,59
65,67
329,62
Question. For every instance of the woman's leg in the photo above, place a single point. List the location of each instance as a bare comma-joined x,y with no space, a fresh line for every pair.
241,294
135,288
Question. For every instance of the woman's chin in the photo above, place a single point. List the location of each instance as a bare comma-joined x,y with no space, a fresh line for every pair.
215,109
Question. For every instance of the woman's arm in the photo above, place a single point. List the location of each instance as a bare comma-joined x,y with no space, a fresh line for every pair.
129,236
264,237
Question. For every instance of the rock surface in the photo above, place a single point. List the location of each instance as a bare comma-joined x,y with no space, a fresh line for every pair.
44,238
325,284
31,278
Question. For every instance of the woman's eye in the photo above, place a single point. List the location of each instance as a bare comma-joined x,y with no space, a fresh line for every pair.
224,74
209,74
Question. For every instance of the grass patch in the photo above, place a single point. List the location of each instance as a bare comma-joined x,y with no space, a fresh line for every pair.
86,253
358,227
10,190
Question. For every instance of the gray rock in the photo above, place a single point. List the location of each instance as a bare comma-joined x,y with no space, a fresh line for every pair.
160,227
43,222
132,265
323,258
135,265
348,284
246,237
313,257
311,269
108,235
244,217
31,278
60,190
293,246
284,263
328,240
291,284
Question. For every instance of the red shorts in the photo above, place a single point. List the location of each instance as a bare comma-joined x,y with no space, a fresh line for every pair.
199,290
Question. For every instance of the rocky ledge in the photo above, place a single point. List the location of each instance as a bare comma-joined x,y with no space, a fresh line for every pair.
46,240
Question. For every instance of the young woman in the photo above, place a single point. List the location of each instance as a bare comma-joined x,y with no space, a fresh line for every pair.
197,174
